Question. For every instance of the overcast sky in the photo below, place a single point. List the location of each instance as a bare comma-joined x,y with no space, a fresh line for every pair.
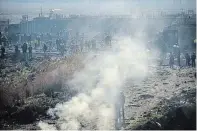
85,6
32,7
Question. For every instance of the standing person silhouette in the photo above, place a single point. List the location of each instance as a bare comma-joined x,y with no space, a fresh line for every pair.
193,58
24,49
171,62
119,107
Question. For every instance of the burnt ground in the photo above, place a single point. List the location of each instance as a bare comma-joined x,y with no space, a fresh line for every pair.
165,100
178,113
19,81
27,92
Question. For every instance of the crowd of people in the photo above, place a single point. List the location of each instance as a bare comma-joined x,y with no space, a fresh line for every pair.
61,46
27,44
190,60
74,45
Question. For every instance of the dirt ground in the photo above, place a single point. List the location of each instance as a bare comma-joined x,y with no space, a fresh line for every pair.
19,81
163,84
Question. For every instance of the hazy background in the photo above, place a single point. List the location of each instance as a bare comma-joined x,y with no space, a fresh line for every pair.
107,73
16,8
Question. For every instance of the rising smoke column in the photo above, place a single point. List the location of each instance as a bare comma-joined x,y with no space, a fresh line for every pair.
99,82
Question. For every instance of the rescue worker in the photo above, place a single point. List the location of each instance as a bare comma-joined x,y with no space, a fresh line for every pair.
24,49
193,58
30,52
187,57
171,62
2,51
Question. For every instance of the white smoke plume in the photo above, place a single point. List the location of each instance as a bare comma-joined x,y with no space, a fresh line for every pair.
104,75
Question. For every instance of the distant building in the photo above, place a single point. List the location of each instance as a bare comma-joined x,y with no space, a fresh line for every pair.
182,32
14,29
4,25
42,24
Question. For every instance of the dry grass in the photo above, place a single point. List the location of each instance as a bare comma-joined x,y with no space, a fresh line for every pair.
48,74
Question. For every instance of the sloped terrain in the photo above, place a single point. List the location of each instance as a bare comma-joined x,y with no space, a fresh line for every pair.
163,98
165,91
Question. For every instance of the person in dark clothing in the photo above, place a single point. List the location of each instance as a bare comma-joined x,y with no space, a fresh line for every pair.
4,41
171,62
2,51
58,44
193,58
187,57
178,58
16,51
39,41
62,49
0,38
108,41
30,52
24,49
45,49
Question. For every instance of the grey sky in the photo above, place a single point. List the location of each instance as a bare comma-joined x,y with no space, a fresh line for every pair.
15,6
32,7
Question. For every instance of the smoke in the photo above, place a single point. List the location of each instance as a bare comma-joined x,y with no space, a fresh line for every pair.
103,77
